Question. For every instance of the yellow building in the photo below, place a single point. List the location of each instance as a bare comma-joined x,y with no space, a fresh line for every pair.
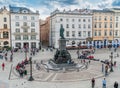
103,25
4,28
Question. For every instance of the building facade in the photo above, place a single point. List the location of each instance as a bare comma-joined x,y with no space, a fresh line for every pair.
44,31
103,25
77,25
116,23
4,28
24,27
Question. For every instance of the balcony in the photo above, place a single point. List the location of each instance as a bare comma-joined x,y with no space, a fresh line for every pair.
25,27
25,33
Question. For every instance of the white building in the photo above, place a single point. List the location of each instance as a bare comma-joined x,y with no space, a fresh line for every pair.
24,27
77,25
116,23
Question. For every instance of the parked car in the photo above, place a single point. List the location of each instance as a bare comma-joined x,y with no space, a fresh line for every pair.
82,57
90,57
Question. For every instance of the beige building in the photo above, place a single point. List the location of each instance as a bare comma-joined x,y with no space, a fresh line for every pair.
103,25
44,31
4,28
116,23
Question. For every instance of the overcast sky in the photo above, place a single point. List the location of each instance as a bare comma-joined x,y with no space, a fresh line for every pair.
45,7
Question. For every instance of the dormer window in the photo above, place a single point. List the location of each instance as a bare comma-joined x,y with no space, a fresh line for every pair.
24,11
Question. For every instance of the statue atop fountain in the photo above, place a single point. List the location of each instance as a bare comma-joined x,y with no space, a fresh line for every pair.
62,55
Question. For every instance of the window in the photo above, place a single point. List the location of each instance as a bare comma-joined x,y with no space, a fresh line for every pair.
73,33
33,37
5,34
89,26
79,25
17,30
17,37
67,25
16,17
18,45
84,33
110,24
24,17
105,25
32,18
73,20
32,24
116,24
25,30
79,20
99,18
79,33
95,33
110,18
33,44
110,32
116,18
105,18
25,24
73,26
5,19
88,20
95,25
67,33
95,18
116,33
84,26
25,37
61,19
67,20
83,20
99,33
17,24
99,25
5,26
32,30
105,33
89,33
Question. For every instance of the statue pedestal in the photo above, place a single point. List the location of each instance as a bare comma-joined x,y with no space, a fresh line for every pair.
62,44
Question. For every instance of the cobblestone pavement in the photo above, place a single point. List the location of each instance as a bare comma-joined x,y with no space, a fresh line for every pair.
16,82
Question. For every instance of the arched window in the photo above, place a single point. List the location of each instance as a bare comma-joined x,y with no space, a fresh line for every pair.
6,42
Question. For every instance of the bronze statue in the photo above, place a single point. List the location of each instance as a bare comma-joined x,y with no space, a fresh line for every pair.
62,32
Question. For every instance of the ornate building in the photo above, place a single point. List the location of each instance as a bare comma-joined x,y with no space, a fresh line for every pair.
24,27
103,25
4,28
77,25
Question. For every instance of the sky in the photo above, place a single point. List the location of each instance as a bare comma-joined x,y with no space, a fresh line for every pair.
45,7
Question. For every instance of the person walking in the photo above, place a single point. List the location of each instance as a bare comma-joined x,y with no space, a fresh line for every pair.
93,82
3,66
116,84
104,83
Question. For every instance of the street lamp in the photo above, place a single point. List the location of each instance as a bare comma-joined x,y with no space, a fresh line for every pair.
30,78
111,67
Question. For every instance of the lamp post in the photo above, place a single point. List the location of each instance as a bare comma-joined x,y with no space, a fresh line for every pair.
111,67
30,78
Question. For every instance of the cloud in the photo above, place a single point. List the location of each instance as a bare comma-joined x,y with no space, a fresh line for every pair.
45,7
105,4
